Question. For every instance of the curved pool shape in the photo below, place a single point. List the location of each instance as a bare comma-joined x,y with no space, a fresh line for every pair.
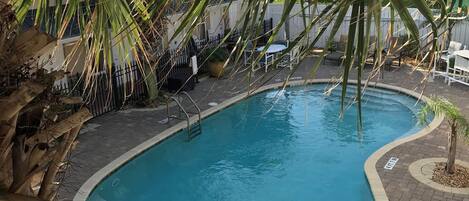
276,145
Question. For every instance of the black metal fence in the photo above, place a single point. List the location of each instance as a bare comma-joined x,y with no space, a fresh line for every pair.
126,85
109,91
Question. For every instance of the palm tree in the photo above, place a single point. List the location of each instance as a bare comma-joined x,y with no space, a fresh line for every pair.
38,128
458,125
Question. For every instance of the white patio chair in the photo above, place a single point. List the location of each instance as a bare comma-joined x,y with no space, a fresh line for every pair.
267,61
445,56
251,55
295,55
460,71
247,54
291,58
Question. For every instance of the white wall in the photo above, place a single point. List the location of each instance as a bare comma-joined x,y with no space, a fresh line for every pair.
53,60
216,23
235,13
174,22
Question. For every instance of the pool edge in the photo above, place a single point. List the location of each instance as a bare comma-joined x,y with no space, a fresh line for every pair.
374,180
370,165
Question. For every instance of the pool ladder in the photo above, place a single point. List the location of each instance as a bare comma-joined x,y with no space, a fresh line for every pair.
192,130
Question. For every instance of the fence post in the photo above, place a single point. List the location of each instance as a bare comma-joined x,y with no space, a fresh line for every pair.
116,96
271,24
143,84
264,27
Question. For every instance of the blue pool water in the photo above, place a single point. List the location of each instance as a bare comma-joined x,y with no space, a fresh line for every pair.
291,146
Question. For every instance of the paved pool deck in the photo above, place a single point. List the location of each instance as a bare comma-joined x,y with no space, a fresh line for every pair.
109,136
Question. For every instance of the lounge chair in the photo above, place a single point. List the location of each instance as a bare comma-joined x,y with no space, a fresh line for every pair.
339,50
371,57
393,52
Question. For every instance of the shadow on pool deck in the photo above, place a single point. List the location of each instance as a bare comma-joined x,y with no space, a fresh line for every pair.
111,135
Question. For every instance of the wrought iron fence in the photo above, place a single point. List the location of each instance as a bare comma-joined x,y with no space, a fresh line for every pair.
110,90
125,84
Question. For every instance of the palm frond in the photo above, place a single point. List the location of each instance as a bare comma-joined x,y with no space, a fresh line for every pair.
114,28
443,107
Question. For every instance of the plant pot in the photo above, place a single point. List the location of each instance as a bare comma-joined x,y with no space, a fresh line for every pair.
216,69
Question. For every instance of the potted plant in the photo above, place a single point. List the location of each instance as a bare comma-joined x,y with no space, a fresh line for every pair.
216,58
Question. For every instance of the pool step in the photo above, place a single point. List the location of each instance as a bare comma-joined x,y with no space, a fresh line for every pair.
366,99
365,104
382,104
374,90
366,93
369,92
195,130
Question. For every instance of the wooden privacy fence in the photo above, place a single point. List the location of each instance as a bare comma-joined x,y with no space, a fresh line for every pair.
297,26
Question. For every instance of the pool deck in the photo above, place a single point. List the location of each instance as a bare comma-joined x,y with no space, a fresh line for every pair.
107,137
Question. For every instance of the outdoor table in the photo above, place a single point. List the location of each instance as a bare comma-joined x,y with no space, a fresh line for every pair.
273,49
462,53
270,53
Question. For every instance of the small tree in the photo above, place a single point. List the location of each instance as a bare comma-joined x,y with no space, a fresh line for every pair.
458,125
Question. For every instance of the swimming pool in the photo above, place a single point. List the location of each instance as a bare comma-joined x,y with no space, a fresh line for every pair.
287,147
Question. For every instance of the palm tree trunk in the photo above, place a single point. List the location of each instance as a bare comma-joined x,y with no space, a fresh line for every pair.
18,99
48,188
7,131
452,141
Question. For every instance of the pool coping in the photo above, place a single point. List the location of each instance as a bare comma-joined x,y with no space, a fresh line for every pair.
371,172
370,169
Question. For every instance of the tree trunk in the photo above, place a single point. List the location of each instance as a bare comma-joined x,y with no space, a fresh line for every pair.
452,142
47,190
18,99
7,132
29,158
151,83
20,167
15,197
57,130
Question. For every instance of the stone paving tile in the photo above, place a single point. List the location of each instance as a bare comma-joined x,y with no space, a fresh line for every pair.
118,132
